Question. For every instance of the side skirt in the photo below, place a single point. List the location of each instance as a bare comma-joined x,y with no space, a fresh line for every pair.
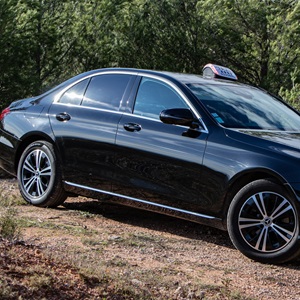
145,205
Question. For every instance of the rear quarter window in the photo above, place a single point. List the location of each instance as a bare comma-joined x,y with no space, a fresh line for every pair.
74,94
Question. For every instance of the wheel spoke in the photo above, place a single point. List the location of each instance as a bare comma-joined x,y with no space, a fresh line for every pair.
281,212
262,201
38,158
263,236
46,171
257,204
29,184
40,189
279,229
27,166
250,222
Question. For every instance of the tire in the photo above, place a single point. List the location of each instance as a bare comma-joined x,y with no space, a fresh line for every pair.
263,222
39,176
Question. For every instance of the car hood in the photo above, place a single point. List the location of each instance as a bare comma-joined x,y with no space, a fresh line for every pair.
291,139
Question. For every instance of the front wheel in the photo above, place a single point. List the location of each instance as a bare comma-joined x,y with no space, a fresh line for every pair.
263,222
39,176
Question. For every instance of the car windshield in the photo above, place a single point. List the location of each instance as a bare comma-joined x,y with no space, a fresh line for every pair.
237,106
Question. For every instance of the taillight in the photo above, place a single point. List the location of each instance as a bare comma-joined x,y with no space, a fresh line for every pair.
4,113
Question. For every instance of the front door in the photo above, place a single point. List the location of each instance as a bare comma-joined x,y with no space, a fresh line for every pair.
159,162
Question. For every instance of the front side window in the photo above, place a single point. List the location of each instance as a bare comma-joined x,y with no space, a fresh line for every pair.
106,91
155,96
245,107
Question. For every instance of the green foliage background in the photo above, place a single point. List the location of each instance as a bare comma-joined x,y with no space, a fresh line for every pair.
43,42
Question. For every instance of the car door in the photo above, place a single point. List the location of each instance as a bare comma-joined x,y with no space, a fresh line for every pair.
84,120
158,162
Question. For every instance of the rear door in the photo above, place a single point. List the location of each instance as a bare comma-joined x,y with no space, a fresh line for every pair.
84,120
159,162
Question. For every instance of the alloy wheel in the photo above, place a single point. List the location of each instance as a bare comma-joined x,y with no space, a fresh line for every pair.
36,173
267,222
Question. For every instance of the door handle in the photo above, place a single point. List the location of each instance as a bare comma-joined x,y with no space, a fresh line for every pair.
132,127
63,117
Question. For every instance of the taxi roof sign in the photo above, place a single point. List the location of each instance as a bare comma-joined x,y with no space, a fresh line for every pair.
215,71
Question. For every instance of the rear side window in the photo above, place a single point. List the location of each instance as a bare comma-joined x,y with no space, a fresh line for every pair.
74,94
106,91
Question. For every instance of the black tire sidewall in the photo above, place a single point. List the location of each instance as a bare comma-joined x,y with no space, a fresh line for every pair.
290,251
47,148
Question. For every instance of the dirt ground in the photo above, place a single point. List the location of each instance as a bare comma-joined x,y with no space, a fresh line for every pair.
86,249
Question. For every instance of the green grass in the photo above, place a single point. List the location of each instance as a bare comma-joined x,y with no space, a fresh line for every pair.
76,229
10,228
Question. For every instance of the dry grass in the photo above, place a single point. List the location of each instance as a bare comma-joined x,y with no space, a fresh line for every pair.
88,250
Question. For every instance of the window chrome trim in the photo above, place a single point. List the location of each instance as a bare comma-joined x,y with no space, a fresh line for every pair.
141,201
133,73
88,107
181,94
58,96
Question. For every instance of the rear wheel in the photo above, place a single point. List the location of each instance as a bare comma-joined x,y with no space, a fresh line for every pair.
263,222
39,175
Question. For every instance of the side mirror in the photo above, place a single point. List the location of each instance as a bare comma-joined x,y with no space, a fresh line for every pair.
179,116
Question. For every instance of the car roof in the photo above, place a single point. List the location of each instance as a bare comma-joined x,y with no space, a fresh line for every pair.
181,77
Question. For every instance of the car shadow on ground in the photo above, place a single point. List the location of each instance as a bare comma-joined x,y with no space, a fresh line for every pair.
158,222
151,220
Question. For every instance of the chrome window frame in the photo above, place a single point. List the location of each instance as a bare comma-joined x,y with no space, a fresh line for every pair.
134,73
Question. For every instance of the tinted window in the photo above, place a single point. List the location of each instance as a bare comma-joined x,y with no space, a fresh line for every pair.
74,95
246,107
106,91
155,96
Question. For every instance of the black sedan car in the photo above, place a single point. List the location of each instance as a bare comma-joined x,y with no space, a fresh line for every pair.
207,149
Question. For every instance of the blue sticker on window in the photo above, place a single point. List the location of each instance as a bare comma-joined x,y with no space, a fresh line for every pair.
217,118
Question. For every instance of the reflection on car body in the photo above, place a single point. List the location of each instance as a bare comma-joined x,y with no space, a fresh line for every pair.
207,149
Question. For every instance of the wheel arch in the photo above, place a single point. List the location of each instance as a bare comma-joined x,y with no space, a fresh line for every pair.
27,140
242,179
